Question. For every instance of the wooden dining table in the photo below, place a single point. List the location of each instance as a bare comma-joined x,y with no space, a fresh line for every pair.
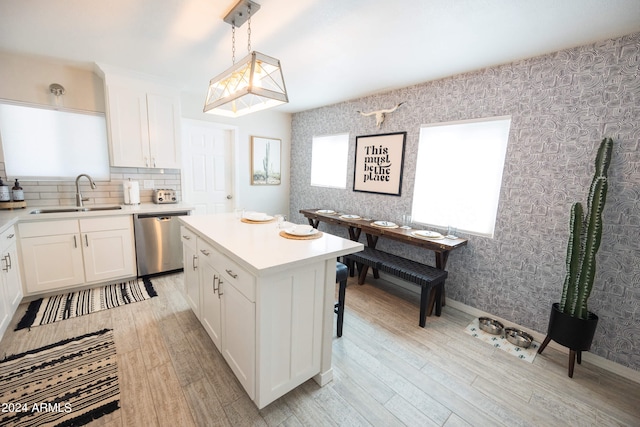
441,247
356,226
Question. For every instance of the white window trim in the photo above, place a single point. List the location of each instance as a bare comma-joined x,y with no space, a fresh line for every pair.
452,163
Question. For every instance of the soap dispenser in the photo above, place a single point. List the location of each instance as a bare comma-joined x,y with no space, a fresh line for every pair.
5,195
18,193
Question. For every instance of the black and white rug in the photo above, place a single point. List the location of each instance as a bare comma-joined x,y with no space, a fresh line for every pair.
69,383
65,306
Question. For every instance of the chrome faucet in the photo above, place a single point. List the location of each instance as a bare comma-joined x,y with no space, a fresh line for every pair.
79,198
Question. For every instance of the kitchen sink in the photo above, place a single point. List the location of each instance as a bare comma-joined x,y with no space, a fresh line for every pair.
76,209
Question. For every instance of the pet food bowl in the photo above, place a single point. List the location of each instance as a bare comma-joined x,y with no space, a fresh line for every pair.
491,326
518,338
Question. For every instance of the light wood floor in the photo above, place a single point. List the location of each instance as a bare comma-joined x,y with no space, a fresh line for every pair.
387,372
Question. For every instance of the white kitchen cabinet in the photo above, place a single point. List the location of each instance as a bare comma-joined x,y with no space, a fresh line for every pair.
108,249
190,263
209,285
51,255
239,334
143,120
10,285
276,302
66,253
226,308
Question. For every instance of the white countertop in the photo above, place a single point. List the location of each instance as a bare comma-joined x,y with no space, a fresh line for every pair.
259,247
10,217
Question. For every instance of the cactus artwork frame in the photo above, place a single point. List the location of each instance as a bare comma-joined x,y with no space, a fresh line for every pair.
265,161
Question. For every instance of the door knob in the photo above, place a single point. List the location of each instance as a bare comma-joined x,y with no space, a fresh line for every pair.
229,197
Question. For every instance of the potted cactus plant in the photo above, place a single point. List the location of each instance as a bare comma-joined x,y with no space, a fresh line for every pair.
571,324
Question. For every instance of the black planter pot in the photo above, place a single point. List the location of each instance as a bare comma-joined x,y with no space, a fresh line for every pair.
571,332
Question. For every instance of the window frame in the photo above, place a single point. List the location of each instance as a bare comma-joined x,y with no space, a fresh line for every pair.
317,139
464,154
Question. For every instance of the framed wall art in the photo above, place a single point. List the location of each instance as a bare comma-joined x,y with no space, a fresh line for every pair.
265,161
379,162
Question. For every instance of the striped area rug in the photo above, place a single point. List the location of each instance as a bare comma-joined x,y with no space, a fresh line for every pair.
65,306
69,383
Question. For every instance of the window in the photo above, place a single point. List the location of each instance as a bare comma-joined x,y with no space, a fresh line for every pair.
459,174
329,160
44,143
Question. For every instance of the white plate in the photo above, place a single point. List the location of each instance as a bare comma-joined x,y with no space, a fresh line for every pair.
385,223
294,232
325,211
258,218
350,216
428,234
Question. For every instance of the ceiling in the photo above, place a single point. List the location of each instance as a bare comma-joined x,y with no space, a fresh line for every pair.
331,50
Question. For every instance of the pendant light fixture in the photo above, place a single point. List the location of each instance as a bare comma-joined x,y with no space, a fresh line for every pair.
252,84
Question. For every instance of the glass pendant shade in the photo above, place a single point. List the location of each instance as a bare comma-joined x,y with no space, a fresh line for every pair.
252,84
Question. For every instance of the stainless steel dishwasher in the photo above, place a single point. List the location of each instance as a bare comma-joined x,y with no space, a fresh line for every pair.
158,245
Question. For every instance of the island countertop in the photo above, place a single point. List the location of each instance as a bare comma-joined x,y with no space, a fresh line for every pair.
259,247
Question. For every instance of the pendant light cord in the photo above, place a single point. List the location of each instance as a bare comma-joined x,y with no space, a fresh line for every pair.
249,29
233,43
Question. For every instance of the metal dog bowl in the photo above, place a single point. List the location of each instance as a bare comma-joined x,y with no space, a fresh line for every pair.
518,338
491,326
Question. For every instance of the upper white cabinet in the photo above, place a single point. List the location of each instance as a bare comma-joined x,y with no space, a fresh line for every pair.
143,121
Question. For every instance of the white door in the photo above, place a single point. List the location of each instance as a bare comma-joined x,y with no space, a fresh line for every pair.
207,167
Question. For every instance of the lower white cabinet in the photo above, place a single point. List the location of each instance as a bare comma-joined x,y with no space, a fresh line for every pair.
191,272
226,313
268,328
10,285
72,252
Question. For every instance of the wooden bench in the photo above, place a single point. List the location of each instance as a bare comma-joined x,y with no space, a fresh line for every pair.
427,277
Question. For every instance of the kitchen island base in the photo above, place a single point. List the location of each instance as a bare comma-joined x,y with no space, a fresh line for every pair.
265,301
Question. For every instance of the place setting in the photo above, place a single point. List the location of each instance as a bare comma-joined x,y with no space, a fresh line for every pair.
350,216
384,224
250,217
300,232
326,211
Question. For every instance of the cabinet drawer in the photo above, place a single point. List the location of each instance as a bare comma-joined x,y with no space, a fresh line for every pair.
48,228
7,237
206,253
238,277
188,237
105,223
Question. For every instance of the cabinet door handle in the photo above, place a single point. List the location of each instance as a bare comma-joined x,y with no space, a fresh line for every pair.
146,162
86,240
10,236
6,265
75,241
219,288
193,262
232,274
154,162
215,278
186,237
205,253
8,261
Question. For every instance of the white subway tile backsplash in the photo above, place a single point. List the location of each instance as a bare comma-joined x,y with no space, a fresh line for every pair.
63,193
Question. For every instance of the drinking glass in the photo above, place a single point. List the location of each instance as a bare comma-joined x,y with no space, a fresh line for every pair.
280,219
452,232
406,221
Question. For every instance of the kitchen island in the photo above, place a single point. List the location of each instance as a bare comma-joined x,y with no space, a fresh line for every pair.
265,300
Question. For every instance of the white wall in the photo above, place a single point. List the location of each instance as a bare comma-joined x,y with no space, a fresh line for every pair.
266,198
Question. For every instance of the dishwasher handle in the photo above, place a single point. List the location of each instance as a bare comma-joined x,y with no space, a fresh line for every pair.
162,215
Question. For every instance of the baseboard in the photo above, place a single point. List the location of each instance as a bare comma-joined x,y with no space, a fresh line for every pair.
596,360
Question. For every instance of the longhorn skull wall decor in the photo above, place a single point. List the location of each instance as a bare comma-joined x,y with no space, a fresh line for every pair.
380,114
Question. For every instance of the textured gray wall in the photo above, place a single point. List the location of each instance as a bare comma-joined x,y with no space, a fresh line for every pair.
561,105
